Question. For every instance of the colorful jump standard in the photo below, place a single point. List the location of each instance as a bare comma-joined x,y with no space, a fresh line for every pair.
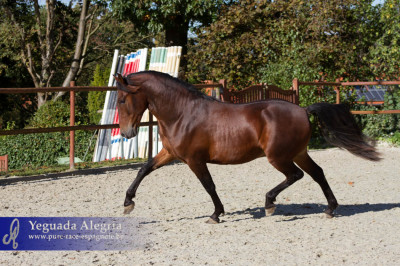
110,144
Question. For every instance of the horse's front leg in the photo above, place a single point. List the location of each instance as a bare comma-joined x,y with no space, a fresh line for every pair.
161,159
202,173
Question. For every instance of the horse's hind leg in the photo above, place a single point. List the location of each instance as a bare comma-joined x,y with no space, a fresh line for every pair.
292,173
304,161
161,159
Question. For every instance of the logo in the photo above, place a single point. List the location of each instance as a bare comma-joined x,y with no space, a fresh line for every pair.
71,233
14,231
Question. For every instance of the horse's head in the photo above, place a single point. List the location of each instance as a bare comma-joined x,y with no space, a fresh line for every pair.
132,103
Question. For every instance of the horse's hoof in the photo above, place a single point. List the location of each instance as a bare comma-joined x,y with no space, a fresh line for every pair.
129,208
212,221
270,211
329,215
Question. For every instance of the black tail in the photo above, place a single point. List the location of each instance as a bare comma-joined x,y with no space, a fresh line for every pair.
339,128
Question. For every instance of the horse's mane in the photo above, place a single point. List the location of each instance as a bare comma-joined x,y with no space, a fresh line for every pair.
174,82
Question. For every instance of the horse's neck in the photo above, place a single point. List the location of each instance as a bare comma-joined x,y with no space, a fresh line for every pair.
168,105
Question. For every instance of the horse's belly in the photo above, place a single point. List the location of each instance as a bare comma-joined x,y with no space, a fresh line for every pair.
235,154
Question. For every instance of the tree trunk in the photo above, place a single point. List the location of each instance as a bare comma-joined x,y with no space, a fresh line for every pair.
72,73
176,35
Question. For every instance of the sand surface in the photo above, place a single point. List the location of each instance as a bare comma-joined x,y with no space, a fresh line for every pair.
365,231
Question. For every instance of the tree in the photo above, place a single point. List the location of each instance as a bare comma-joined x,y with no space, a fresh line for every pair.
264,41
386,51
246,37
35,41
45,38
96,98
174,18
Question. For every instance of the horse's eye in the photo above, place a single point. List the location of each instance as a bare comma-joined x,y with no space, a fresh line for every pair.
121,101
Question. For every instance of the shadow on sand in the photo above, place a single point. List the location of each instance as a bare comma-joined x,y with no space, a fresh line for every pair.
298,211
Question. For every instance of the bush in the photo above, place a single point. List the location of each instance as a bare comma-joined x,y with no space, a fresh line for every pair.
383,125
56,114
394,139
96,98
51,114
95,103
44,149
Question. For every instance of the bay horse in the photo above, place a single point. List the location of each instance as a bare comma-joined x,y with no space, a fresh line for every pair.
197,129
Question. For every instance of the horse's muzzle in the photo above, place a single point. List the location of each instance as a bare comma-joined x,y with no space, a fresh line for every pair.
132,132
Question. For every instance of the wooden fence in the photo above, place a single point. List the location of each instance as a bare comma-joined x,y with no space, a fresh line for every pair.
4,163
252,93
72,127
263,92
338,85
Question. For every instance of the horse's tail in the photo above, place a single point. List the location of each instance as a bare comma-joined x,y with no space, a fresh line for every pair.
339,128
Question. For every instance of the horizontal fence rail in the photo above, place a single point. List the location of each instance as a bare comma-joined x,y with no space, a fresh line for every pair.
337,85
72,128
64,129
55,89
254,93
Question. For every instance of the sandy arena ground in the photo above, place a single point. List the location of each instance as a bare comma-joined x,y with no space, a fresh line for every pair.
365,231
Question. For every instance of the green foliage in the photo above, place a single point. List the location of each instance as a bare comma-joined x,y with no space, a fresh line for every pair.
159,15
44,149
23,37
171,20
96,98
394,138
56,114
385,53
276,41
383,125
232,48
51,114
41,170
14,110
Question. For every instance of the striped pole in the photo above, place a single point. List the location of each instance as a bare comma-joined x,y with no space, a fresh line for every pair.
178,61
100,140
110,144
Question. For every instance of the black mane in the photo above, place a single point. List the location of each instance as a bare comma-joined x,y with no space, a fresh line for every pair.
189,87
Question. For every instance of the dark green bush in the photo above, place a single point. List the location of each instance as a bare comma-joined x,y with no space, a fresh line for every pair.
382,125
96,98
95,103
56,114
394,138
51,114
44,149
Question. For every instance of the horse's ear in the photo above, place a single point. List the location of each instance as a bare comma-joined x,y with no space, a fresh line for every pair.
124,85
118,77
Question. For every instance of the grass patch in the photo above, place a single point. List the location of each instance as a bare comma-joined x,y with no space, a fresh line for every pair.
393,139
29,171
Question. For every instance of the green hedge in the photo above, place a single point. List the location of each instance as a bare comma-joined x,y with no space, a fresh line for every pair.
96,99
44,149
382,125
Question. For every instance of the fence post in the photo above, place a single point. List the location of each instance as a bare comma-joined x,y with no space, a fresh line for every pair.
72,123
225,97
150,152
337,92
4,163
295,84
